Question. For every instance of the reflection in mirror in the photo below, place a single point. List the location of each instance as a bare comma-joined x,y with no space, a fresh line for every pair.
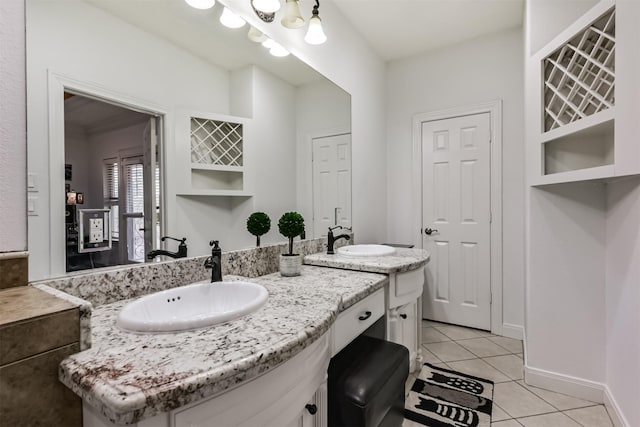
111,164
152,68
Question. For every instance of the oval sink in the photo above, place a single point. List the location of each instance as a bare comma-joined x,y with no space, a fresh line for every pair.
192,306
366,250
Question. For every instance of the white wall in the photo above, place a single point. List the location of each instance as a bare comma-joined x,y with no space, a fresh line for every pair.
623,296
565,289
76,153
481,70
556,15
13,153
322,109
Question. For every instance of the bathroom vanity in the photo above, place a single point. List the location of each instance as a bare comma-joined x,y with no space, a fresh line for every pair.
266,368
405,269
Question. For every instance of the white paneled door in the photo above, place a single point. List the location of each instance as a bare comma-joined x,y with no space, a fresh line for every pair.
456,229
331,183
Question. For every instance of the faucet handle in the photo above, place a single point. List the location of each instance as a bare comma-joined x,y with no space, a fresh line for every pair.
163,238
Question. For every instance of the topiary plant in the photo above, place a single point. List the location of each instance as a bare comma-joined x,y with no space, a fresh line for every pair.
290,225
258,224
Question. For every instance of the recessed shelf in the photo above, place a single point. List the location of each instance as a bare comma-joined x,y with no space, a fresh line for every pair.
585,149
600,173
215,193
199,166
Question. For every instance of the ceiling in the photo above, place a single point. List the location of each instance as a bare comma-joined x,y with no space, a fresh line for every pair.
401,28
94,116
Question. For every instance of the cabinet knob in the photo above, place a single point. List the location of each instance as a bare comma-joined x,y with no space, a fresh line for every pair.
311,408
404,316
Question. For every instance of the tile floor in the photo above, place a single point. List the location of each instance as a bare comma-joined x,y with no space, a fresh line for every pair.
500,359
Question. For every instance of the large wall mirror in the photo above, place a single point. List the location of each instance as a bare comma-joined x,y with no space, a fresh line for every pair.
149,119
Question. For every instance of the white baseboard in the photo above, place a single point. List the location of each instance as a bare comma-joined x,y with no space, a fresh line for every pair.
614,410
513,331
566,384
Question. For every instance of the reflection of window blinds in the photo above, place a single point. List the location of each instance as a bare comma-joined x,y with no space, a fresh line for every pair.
110,187
135,187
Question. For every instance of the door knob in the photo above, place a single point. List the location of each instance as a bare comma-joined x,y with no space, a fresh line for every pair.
428,231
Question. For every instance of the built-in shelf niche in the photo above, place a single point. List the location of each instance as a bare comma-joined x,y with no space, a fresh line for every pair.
216,153
587,148
577,140
203,179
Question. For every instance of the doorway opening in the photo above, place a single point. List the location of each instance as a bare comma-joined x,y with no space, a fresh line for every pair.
112,183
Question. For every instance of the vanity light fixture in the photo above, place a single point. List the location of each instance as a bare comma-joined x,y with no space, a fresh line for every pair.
292,17
230,19
266,6
315,33
201,4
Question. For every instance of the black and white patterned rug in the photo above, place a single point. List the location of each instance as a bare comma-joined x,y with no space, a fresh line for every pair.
444,398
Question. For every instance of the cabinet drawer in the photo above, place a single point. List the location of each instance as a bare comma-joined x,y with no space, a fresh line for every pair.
405,287
356,319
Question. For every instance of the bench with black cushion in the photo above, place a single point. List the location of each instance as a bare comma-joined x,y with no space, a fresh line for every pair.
367,383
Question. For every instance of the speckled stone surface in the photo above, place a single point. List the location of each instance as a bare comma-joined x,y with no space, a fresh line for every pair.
129,377
85,309
106,286
403,260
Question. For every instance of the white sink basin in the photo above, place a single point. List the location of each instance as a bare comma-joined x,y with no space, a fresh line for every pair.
366,250
192,306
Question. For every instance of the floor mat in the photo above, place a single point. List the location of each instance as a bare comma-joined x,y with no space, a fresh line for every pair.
444,398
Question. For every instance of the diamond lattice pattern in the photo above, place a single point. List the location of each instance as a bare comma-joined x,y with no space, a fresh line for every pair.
579,77
215,142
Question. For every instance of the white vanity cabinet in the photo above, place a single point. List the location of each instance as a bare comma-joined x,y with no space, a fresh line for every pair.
403,318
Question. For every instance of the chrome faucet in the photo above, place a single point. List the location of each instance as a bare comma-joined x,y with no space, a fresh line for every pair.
182,249
214,262
331,239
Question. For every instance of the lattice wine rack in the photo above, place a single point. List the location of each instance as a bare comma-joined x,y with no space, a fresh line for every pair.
579,76
216,142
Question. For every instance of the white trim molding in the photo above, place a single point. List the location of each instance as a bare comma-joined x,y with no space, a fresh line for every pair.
494,108
615,413
57,85
576,387
566,384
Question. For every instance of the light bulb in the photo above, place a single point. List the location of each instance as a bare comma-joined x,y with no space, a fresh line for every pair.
315,33
201,4
230,19
268,43
292,16
255,35
278,50
267,6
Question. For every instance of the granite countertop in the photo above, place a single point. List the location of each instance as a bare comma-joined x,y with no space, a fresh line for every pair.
403,260
129,377
24,302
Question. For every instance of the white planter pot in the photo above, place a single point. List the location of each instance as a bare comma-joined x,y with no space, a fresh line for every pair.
290,265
